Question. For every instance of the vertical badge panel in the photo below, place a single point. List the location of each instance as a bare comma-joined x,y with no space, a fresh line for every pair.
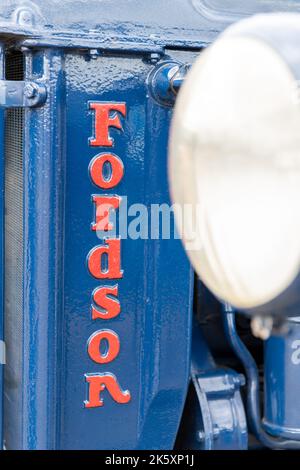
127,296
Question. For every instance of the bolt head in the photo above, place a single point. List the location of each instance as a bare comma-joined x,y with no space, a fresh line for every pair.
30,91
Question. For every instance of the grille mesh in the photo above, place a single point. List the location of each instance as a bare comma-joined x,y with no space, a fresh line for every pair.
13,295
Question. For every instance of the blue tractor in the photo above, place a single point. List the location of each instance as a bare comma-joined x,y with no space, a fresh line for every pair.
149,224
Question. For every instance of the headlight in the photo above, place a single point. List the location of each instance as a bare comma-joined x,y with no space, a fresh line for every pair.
235,158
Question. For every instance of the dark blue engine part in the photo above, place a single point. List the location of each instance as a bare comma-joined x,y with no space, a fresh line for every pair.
214,416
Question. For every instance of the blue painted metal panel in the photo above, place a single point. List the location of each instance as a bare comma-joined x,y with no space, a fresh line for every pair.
2,344
154,312
156,298
214,416
43,255
282,362
123,24
235,9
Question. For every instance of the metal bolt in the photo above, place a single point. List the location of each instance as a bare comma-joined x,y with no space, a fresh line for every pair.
25,17
178,76
242,380
216,432
30,91
201,436
238,381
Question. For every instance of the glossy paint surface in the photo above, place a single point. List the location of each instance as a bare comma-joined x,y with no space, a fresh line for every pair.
214,417
128,24
156,289
232,9
156,272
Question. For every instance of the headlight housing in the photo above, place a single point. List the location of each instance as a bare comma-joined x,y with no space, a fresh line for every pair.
235,158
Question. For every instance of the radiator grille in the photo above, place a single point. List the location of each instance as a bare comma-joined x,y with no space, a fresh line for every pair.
13,295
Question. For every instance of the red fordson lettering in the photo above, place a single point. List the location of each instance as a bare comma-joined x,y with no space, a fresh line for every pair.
103,206
106,171
105,117
94,346
116,170
98,383
106,304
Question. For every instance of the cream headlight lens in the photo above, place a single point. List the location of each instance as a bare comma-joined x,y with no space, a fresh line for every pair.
235,157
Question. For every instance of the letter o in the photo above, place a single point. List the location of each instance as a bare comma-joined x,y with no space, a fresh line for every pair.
96,170
94,345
